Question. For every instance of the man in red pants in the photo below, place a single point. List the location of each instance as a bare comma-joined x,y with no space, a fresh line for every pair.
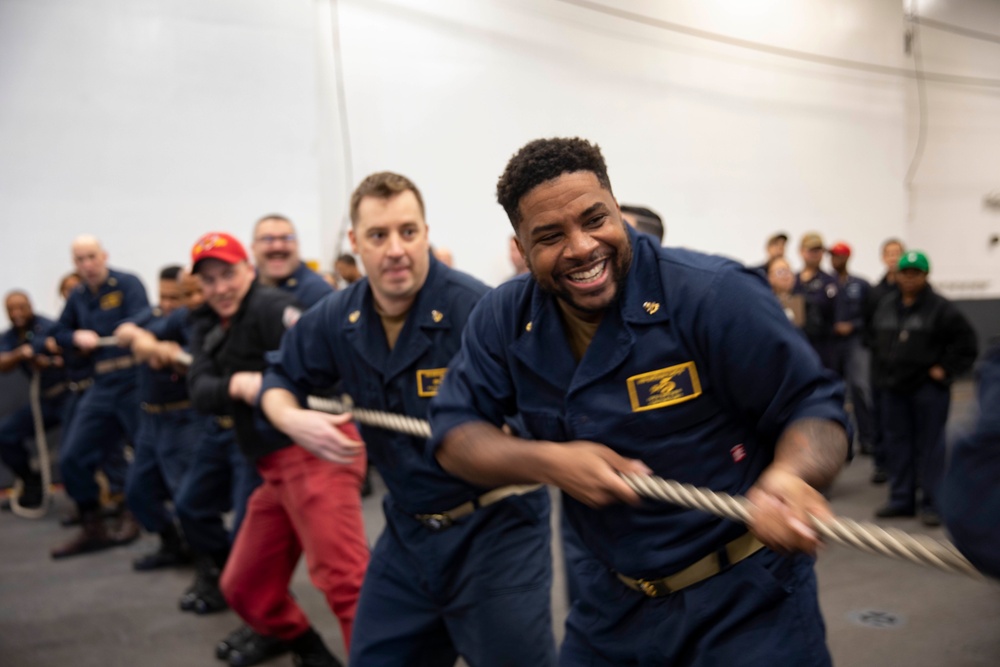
305,504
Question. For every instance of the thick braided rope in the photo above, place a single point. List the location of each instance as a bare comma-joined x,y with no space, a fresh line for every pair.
867,537
870,538
44,464
385,420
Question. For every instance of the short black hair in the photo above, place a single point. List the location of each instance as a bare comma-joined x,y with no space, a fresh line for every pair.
172,272
346,258
543,160
647,220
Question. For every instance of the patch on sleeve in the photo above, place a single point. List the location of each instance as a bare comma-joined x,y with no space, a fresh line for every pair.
663,387
428,381
290,316
111,300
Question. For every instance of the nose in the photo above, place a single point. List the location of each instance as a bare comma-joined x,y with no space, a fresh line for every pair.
580,245
395,247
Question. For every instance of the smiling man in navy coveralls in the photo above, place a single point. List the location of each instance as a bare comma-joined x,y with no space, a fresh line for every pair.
460,569
677,363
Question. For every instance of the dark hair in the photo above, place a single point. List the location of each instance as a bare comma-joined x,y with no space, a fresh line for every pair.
270,216
383,185
172,272
346,258
647,220
544,160
69,276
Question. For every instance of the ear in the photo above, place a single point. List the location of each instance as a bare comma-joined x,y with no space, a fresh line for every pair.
354,240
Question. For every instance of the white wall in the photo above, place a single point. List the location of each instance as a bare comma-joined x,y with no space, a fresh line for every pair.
148,122
961,156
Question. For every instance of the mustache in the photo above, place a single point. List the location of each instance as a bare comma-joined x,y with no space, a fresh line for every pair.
277,254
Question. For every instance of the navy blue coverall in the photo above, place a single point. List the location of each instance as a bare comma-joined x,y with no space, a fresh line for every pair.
696,371
18,426
109,410
169,428
479,588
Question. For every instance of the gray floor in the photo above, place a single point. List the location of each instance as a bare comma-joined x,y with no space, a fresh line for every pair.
94,611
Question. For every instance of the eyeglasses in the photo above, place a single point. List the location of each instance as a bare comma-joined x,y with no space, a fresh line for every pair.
270,240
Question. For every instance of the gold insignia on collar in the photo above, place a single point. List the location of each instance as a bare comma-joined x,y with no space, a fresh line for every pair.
292,282
354,317
113,281
651,307
527,327
437,315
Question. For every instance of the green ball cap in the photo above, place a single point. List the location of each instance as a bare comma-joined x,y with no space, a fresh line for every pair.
914,259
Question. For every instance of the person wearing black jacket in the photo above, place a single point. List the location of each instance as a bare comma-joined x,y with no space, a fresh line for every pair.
921,343
291,511
892,250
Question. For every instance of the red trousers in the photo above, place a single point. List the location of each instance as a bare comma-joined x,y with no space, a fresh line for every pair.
304,505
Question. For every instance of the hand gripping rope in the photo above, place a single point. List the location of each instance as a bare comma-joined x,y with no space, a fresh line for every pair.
868,537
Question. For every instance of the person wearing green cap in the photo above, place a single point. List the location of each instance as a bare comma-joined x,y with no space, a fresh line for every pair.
921,343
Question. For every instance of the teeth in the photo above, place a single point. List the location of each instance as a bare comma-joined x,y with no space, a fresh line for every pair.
583,276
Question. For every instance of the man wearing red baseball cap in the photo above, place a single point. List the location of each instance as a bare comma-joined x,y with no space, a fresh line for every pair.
291,511
853,356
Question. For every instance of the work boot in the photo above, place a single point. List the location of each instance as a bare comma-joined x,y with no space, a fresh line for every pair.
204,595
93,536
310,651
234,641
172,552
32,492
126,530
256,650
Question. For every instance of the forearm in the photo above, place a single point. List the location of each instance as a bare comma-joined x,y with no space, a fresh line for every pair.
482,454
9,361
812,449
281,406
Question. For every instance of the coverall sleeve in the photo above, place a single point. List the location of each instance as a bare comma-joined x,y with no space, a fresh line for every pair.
762,368
305,361
478,385
970,501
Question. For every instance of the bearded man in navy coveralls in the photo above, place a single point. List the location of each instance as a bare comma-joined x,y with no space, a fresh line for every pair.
620,356
460,569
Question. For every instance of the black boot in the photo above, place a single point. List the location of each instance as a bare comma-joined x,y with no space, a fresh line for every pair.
32,491
256,650
203,596
93,536
234,641
172,552
310,651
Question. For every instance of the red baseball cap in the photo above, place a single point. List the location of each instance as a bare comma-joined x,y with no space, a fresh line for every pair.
220,246
841,249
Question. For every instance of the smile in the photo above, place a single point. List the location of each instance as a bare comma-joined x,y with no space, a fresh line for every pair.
590,275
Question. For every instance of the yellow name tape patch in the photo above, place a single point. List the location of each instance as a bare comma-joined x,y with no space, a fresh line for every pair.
663,387
428,381
111,300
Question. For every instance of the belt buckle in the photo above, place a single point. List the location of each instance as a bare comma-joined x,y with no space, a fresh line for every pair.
436,522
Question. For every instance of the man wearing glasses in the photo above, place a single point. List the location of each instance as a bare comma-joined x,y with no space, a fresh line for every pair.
276,254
